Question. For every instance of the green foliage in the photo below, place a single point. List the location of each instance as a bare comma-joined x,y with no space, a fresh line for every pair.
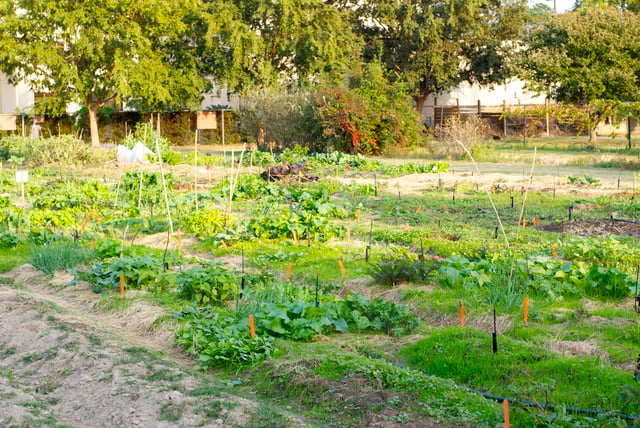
9,240
611,251
205,222
59,254
401,268
55,150
152,190
207,283
220,340
140,272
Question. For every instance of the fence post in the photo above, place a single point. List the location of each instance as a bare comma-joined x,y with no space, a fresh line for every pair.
524,133
504,117
546,111
479,109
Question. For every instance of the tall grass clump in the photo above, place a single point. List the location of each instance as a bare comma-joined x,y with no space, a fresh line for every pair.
57,255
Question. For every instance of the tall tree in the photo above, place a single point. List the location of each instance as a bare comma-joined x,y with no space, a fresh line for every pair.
259,42
589,58
92,52
436,45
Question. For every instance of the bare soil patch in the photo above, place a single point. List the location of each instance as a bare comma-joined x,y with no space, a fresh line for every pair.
64,361
593,228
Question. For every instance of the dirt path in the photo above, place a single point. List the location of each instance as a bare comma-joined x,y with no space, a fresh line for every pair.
64,361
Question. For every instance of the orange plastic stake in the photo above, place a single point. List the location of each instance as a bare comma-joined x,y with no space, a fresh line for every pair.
408,227
341,266
358,214
289,267
224,244
536,221
553,250
252,326
524,223
179,243
95,216
461,315
121,284
526,309
92,245
418,210
507,423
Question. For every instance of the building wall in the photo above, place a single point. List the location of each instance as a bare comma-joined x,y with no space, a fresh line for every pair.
14,99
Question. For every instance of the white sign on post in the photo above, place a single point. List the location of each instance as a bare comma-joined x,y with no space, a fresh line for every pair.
22,176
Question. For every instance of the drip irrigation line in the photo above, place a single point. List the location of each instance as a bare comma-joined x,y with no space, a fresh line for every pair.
515,400
622,220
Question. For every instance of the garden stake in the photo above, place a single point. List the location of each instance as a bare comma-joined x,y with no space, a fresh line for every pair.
195,168
179,243
295,237
341,266
570,210
421,250
224,244
141,171
553,250
461,315
96,218
407,227
512,202
358,214
536,221
524,223
526,310
366,254
370,232
529,275
164,186
348,235
252,326
165,264
242,260
308,239
418,210
92,245
495,235
289,267
317,302
505,404
375,186
637,300
495,333
121,284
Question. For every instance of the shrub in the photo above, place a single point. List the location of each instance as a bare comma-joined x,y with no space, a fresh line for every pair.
60,150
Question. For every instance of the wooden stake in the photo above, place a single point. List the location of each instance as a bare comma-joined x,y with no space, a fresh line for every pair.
526,309
252,326
461,315
121,284
289,267
341,266
507,422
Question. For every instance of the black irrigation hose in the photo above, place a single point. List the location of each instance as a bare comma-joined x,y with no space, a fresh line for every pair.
518,401
622,220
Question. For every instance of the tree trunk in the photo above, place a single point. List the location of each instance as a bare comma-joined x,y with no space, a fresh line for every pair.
419,100
92,106
592,135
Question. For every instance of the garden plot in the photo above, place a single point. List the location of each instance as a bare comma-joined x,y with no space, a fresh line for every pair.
288,290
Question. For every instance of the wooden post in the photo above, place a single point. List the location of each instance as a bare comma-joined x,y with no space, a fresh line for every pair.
546,110
479,109
504,118
195,168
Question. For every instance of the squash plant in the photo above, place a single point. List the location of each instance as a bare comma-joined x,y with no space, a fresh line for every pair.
207,283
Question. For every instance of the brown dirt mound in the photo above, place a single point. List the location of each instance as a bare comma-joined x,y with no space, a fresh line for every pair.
593,228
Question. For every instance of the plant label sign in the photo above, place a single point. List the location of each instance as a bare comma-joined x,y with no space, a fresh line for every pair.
206,120
8,122
22,176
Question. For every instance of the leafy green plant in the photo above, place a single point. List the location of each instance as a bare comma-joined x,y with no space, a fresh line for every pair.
403,268
141,272
205,222
220,340
207,283
9,240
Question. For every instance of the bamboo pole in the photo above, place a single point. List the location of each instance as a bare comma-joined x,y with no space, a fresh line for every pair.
164,186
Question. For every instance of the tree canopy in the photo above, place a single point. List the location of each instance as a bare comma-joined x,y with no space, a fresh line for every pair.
94,52
435,45
589,57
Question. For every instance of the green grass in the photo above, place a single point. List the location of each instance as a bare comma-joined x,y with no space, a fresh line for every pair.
521,370
57,255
